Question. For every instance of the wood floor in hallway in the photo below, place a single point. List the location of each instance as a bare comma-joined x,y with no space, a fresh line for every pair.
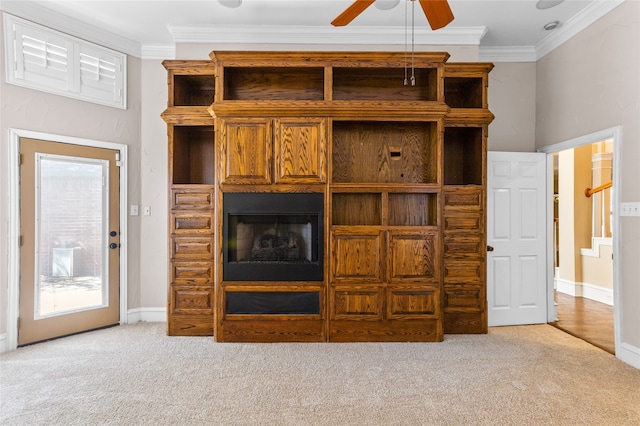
586,319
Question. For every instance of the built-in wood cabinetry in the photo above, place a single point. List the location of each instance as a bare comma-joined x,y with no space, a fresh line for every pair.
399,172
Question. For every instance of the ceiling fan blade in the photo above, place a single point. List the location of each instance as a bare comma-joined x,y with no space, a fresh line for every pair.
356,8
438,13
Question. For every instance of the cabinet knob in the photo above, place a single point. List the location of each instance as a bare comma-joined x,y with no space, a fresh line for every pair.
489,248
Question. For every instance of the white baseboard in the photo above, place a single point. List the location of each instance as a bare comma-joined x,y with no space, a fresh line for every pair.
586,290
146,315
3,342
629,354
599,294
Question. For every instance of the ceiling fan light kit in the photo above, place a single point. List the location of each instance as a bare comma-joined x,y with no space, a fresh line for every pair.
386,4
547,4
232,4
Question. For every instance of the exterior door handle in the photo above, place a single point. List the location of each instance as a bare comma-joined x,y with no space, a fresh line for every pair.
490,248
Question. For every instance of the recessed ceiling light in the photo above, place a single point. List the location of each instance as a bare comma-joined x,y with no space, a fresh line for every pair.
547,4
386,4
551,25
230,3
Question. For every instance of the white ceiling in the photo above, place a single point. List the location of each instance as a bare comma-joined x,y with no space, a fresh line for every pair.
502,24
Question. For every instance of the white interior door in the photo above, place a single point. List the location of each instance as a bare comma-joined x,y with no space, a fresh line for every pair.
516,268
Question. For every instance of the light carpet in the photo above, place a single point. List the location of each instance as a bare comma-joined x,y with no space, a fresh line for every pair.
136,375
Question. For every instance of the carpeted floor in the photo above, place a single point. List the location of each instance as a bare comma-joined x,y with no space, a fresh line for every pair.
136,375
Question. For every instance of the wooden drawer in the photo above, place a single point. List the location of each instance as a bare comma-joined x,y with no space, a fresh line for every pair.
463,222
192,223
356,303
412,302
464,272
191,300
192,273
200,198
192,247
463,300
464,199
456,244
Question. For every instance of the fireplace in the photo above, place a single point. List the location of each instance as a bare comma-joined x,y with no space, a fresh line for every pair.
273,237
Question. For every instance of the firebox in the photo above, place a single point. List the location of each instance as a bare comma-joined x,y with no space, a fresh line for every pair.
273,237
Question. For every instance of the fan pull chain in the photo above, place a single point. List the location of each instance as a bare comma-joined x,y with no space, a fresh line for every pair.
413,28
406,31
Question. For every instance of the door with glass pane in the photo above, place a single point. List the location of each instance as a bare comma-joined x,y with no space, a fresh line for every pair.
70,239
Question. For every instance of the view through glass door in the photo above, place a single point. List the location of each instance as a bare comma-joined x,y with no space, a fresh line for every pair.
70,239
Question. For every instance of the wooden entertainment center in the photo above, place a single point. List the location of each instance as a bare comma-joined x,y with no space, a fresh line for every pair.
365,197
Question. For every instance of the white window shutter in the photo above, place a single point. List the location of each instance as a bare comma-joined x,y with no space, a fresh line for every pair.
43,59
100,73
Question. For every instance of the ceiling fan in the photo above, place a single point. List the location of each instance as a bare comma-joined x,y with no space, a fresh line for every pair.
438,12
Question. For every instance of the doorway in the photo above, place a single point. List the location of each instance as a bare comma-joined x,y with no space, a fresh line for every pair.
583,285
68,216
70,238
583,251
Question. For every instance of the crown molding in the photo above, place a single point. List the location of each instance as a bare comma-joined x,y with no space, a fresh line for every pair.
39,14
158,51
573,26
266,34
508,54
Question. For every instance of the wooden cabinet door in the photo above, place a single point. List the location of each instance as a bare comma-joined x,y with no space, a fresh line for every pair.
300,150
246,151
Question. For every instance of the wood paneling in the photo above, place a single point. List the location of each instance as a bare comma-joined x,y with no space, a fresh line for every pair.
300,150
414,256
357,256
247,146
384,152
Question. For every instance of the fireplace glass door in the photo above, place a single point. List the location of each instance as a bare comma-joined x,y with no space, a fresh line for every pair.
273,237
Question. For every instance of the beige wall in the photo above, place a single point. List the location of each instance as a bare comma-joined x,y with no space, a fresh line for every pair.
154,180
512,99
592,83
598,271
37,111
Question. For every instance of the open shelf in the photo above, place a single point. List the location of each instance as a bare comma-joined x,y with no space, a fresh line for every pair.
274,83
413,209
384,84
463,92
463,160
357,209
193,158
384,152
193,90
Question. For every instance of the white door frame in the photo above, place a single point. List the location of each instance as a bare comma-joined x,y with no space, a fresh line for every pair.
614,133
13,300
